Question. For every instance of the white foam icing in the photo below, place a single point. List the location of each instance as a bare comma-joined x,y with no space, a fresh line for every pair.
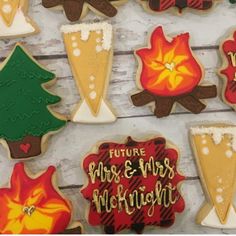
212,220
20,26
84,114
85,30
205,150
217,133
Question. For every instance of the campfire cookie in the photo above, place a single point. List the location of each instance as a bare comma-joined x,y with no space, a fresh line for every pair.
133,184
214,147
90,52
26,121
228,70
33,204
77,9
163,5
169,73
14,21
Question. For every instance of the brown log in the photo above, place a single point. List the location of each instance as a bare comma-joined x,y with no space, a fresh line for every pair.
163,106
191,103
142,98
202,92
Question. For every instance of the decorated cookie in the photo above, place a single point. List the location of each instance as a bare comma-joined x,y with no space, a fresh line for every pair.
132,185
214,147
33,204
14,21
26,121
89,49
169,73
76,9
228,70
163,5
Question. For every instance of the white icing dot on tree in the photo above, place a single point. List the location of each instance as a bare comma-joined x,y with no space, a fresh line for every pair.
76,52
7,8
205,150
93,95
219,199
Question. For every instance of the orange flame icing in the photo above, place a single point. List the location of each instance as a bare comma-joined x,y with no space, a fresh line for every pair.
169,67
32,206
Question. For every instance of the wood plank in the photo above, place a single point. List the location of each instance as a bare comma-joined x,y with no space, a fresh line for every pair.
130,32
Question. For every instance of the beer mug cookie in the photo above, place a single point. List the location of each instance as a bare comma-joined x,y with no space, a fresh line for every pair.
14,21
90,53
214,147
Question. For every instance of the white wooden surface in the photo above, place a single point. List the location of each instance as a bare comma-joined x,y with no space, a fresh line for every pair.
67,149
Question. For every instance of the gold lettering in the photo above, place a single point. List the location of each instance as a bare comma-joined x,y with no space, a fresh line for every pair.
232,56
129,172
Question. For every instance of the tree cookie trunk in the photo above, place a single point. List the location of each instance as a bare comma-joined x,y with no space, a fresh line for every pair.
29,146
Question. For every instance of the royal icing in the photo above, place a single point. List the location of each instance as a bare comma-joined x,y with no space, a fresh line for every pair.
32,205
25,117
169,74
216,159
13,19
132,185
89,49
228,70
75,9
162,5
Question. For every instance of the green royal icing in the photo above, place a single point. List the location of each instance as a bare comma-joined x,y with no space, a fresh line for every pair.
23,101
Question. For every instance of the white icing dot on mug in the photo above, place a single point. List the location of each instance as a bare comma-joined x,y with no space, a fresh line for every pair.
204,141
229,153
92,86
220,180
76,52
74,45
6,8
219,199
93,95
98,48
205,151
92,78
73,38
219,190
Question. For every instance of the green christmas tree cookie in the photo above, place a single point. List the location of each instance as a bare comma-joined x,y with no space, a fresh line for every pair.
26,120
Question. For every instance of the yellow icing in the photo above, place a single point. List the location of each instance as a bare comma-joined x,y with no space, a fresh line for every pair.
90,65
217,163
8,9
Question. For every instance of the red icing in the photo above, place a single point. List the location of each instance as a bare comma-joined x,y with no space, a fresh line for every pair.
25,147
52,212
168,66
230,71
116,220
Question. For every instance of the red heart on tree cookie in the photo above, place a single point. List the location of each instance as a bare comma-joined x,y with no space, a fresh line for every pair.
25,147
